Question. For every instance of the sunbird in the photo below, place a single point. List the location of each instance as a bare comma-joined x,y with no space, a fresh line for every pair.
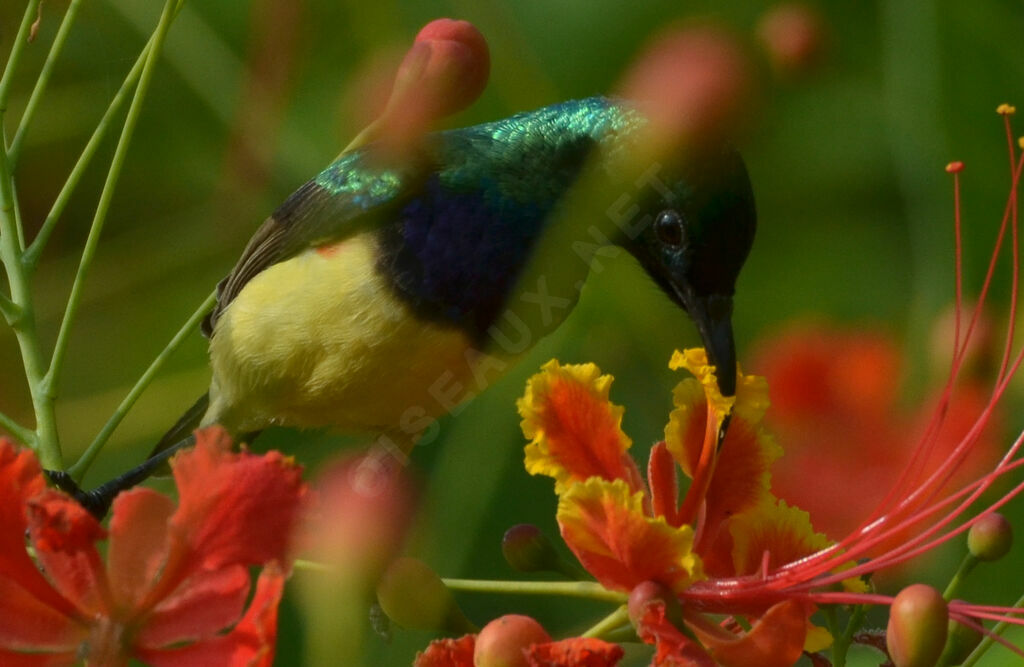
381,286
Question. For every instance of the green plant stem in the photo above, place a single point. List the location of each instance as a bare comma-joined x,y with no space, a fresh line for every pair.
579,589
609,623
78,470
20,433
966,565
42,82
986,643
106,195
20,309
20,42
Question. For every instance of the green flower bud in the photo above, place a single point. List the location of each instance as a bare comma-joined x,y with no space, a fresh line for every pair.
990,537
917,628
413,596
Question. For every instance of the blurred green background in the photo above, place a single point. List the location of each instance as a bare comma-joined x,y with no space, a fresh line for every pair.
252,99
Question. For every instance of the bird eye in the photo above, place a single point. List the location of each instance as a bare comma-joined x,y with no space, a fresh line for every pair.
669,227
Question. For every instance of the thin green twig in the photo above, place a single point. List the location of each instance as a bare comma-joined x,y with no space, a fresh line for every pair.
78,470
23,320
986,643
968,564
106,196
42,82
20,433
578,589
612,621
35,249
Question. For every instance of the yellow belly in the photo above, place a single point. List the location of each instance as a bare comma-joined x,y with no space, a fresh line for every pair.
320,340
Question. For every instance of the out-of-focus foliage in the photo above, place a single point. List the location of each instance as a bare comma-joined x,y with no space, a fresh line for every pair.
254,98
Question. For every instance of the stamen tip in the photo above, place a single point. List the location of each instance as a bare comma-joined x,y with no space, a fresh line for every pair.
1006,109
955,167
1020,142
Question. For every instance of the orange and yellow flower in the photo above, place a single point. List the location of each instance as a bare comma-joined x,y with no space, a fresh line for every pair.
626,532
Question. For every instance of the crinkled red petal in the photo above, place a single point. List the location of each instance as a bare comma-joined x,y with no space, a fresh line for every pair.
447,653
64,536
574,652
20,479
234,508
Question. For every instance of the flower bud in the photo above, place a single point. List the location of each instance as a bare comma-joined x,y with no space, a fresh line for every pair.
443,73
413,596
503,641
990,538
693,84
792,35
527,549
917,628
651,591
960,643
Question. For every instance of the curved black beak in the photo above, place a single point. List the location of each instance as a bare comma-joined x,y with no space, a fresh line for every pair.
713,317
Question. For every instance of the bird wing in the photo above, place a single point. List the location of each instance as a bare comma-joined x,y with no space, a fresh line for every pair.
355,193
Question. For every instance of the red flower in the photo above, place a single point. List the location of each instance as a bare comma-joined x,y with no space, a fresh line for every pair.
835,405
175,577
572,652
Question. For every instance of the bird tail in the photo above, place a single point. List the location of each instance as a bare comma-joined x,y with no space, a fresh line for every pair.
183,428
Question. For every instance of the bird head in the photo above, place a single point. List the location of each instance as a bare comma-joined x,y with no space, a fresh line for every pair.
699,226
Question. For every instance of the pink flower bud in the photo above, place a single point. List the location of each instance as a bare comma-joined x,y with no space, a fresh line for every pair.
793,35
692,83
917,628
503,641
990,538
444,72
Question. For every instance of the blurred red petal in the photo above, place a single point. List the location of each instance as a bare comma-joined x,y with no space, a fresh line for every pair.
138,543
15,659
447,653
201,607
250,643
28,624
575,652
20,479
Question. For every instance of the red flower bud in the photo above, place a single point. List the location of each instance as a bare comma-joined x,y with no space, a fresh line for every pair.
990,538
793,36
917,628
651,591
527,549
693,84
503,641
